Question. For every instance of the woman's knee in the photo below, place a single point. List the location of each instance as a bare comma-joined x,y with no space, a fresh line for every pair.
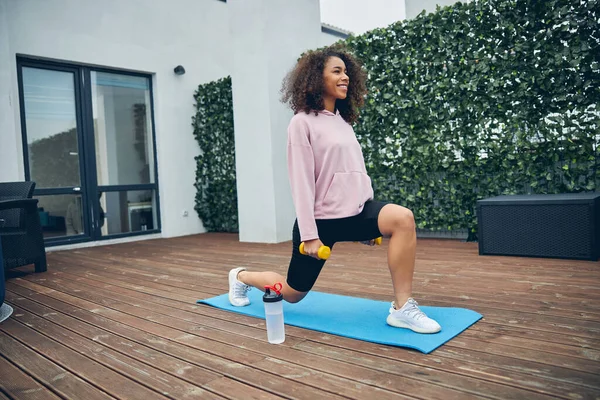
394,218
293,296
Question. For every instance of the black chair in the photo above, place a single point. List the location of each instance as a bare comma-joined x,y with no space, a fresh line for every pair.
20,228
5,309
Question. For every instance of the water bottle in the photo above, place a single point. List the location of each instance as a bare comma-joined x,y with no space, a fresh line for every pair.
273,301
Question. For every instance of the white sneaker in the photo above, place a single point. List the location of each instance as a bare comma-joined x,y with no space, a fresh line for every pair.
237,290
411,317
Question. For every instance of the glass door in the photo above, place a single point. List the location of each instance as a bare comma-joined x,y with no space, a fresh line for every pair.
88,139
125,172
53,148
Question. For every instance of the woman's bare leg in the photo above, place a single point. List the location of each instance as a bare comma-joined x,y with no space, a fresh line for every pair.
261,279
398,223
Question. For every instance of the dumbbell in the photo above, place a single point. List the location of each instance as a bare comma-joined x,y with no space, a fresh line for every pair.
323,253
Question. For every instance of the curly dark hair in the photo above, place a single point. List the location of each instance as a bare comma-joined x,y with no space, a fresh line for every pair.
302,88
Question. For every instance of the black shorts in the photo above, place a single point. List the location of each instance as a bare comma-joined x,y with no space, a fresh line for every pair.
304,270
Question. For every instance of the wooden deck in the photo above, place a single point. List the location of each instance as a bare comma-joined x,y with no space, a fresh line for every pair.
120,321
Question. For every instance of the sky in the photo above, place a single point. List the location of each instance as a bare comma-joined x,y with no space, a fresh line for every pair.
360,16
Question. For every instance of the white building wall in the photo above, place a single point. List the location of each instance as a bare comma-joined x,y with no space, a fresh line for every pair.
254,42
267,38
139,35
11,166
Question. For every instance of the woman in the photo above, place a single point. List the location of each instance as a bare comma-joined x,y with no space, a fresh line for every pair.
332,192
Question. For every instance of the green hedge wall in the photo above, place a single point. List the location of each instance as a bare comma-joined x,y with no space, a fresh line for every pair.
216,197
472,101
481,99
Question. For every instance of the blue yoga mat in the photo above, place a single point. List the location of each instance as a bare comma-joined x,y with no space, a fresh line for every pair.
357,318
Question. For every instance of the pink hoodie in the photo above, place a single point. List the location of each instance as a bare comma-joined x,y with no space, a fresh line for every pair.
326,169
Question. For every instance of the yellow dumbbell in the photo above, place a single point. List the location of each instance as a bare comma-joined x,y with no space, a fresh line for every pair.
323,253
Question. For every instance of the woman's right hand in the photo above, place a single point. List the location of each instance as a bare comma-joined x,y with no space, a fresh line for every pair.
311,247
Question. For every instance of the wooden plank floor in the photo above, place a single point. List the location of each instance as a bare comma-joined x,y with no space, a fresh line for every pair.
120,321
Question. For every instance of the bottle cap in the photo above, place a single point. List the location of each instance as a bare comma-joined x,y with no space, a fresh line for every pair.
273,293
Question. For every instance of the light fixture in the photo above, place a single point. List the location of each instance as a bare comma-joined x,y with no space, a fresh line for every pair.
179,70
